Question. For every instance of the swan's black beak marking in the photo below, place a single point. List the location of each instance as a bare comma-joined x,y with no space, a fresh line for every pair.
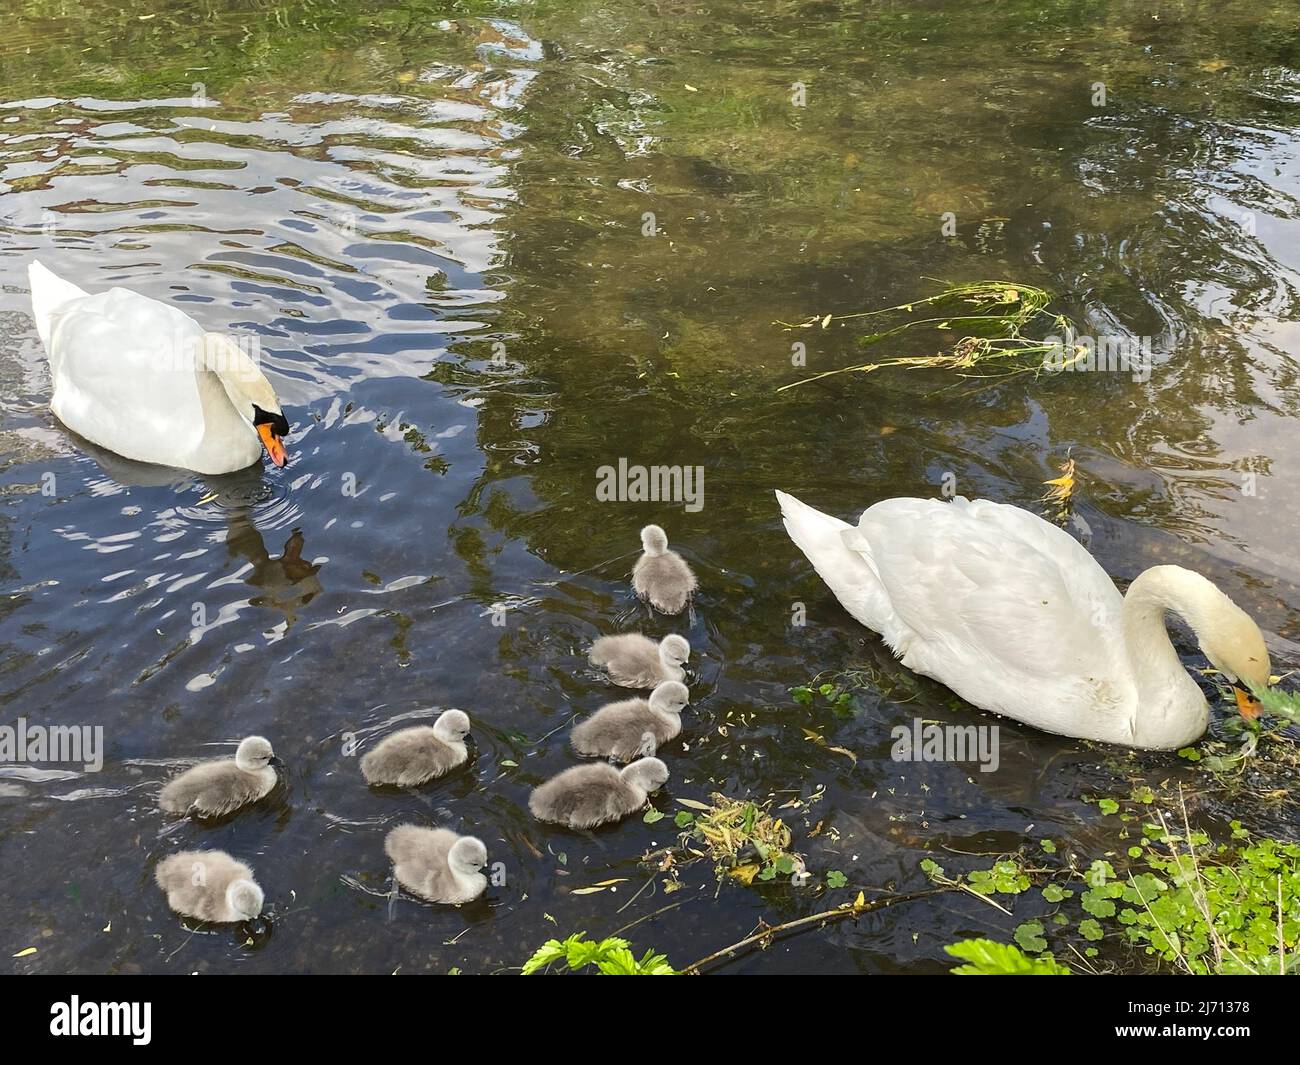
278,422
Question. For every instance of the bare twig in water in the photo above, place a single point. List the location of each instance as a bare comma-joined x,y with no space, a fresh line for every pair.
850,909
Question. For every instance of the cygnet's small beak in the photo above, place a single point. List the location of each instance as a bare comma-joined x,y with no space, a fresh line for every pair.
1247,705
275,763
272,444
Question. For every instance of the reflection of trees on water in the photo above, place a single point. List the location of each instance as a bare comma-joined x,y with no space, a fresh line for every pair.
1136,214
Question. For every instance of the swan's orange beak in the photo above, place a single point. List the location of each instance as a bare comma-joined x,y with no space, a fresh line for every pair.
1247,705
272,444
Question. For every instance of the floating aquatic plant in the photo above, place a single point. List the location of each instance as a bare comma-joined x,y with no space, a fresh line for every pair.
991,315
745,840
740,836
1200,907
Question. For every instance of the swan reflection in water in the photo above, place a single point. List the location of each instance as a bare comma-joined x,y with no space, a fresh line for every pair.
286,582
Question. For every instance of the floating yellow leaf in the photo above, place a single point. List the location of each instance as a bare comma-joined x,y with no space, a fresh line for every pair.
744,873
695,805
24,953
1060,489
691,88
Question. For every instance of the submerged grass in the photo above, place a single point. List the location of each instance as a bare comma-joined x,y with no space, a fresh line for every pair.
992,315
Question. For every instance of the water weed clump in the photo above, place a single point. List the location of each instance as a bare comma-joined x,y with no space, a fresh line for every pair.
992,317
740,836
1253,753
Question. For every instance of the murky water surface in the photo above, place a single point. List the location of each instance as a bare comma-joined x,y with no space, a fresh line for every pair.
431,217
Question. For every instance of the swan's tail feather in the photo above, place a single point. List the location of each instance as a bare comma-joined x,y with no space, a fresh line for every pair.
814,533
841,556
49,292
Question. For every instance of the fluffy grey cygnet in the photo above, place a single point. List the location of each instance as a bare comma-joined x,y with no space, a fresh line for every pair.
223,785
437,864
633,728
590,795
661,577
209,885
417,755
636,661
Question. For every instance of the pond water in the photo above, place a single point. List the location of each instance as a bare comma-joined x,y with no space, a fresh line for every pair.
432,217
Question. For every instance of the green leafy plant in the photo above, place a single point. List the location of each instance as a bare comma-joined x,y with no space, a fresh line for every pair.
1215,910
1230,908
838,696
611,957
986,957
1276,701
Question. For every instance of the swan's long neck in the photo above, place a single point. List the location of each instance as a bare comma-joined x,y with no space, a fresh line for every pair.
1171,709
241,378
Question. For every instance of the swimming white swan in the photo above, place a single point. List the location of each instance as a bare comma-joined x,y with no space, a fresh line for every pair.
636,661
209,885
1015,616
661,577
633,728
222,785
437,864
590,795
145,380
413,756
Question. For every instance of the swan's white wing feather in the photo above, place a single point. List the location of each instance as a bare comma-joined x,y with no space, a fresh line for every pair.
128,376
125,376
1008,611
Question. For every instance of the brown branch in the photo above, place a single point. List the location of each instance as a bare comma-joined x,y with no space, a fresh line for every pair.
849,909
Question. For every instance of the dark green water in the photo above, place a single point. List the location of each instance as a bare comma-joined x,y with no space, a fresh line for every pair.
431,215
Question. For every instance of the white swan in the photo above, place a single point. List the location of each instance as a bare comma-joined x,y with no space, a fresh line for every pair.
143,379
1015,616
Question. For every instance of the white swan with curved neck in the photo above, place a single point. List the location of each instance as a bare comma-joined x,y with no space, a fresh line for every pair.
1015,616
146,381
